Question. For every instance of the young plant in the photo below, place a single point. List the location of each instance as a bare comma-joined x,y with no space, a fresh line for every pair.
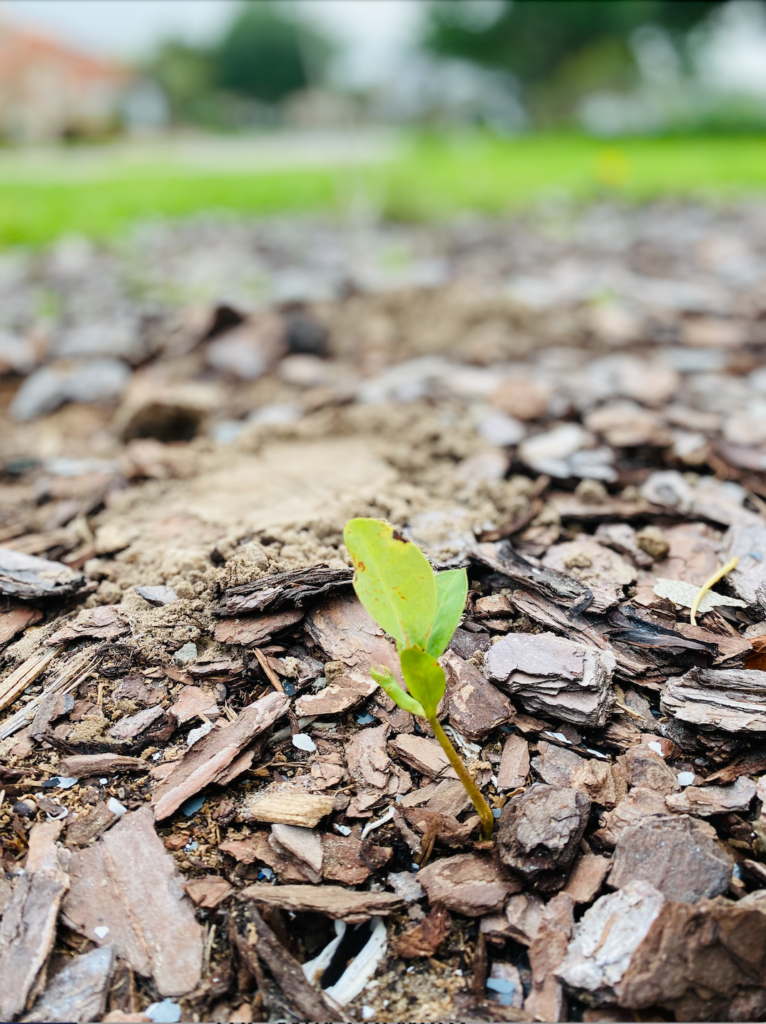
420,610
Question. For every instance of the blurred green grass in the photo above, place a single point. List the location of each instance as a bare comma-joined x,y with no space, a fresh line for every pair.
431,177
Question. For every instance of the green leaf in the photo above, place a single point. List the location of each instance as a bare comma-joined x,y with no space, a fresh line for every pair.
424,677
393,579
386,682
451,592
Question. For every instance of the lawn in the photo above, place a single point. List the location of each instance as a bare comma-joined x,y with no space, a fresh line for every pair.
424,178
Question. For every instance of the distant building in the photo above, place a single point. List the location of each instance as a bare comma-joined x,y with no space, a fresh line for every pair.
50,91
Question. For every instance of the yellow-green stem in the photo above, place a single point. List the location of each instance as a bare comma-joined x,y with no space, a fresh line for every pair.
481,805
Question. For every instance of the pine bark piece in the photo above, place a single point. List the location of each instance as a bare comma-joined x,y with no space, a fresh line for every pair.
546,1001
80,766
102,623
424,939
703,962
255,942
28,927
28,577
706,800
332,900
346,633
607,937
730,699
259,629
342,694
15,618
304,844
556,586
78,992
554,676
211,755
746,539
151,923
128,728
424,755
514,763
291,588
469,883
191,702
520,921
540,830
587,877
680,856
639,804
288,807
647,769
208,891
474,706
368,759
602,570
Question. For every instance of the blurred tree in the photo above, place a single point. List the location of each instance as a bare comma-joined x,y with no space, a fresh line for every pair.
186,75
269,52
557,49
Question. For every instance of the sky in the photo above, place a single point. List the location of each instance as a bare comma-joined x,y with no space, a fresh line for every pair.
373,32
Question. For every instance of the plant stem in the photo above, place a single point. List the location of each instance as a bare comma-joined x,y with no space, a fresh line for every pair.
481,805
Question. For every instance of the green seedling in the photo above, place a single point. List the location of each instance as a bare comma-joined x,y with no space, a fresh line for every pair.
420,610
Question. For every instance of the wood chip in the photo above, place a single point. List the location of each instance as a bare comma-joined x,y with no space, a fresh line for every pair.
17,681
680,856
540,830
474,706
554,676
214,753
304,844
468,883
332,900
28,928
79,766
82,829
129,884
256,630
603,571
288,807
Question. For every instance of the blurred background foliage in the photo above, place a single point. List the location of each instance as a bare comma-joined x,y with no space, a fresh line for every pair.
487,105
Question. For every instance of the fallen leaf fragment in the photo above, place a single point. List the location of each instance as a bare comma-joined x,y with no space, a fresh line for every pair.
332,900
685,594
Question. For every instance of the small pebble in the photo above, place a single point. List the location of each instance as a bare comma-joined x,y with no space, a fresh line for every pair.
192,805
116,807
303,742
685,778
185,654
166,1012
